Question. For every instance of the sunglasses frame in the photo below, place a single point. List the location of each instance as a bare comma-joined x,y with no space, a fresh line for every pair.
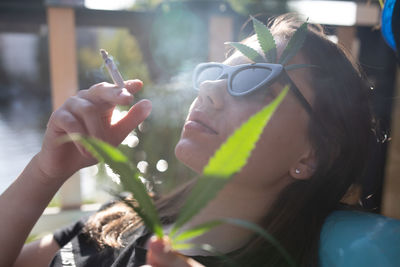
228,72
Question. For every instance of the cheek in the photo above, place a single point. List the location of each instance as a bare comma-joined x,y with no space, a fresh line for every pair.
268,161
278,149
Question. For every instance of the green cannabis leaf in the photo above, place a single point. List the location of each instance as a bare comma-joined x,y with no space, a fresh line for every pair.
195,231
266,40
233,154
227,160
294,45
129,177
268,46
381,4
247,51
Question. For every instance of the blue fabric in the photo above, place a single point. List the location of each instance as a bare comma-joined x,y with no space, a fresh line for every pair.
386,23
351,238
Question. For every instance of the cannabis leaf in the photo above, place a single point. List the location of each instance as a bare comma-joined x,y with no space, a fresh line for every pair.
247,51
227,161
195,231
129,177
294,45
265,39
268,45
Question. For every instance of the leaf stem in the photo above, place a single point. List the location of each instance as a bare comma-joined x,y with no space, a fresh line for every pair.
381,3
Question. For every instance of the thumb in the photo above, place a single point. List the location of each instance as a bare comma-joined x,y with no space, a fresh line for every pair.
136,115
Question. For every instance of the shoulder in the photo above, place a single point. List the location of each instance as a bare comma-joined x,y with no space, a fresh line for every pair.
82,251
353,238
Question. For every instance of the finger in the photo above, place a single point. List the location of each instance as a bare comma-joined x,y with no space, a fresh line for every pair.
136,115
88,114
64,123
160,254
133,86
108,94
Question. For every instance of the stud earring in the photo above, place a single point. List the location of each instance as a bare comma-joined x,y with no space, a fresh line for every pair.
297,171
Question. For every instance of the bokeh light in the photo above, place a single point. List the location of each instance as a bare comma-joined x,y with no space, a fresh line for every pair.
162,165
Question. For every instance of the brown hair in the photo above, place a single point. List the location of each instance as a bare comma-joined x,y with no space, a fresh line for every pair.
339,130
116,220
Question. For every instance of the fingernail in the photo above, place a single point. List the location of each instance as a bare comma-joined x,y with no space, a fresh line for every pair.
147,107
136,81
147,104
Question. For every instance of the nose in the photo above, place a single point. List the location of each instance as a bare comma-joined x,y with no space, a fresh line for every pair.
213,93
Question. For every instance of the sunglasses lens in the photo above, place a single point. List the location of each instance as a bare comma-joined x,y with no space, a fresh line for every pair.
208,74
249,78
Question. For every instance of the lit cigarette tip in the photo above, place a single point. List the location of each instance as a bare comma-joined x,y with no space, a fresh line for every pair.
104,54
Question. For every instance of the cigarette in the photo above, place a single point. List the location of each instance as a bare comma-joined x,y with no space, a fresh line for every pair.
112,69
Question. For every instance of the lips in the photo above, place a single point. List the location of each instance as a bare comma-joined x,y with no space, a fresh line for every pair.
199,122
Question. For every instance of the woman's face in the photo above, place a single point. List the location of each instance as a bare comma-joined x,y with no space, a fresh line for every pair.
215,114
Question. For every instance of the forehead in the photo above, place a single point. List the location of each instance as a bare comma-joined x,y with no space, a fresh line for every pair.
237,58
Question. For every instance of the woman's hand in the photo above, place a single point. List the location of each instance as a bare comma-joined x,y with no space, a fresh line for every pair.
160,254
88,113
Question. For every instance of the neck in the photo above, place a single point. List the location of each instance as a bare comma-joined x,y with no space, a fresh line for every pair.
235,200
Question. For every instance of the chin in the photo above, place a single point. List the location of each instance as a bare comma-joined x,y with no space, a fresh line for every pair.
192,155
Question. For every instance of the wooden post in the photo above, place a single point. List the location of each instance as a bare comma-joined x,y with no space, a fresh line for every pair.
391,186
220,31
64,80
62,44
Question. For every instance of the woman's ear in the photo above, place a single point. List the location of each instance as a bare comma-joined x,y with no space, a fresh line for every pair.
304,167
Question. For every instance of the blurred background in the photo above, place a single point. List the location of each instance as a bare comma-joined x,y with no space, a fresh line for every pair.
50,49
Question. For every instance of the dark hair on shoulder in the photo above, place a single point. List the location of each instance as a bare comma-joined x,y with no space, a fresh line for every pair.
113,223
108,226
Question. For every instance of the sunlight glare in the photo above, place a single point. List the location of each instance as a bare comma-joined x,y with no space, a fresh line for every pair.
142,166
326,12
109,5
131,140
162,165
117,116
114,177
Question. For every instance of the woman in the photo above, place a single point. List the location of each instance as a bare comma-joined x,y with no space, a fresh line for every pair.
314,147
